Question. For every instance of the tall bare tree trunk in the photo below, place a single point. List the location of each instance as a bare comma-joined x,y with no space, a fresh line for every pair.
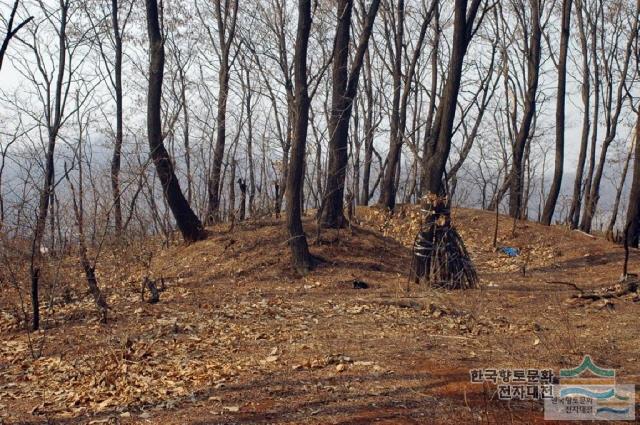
616,203
463,24
387,188
300,256
345,87
585,92
188,223
431,132
54,123
633,210
612,119
516,180
368,130
117,148
554,191
226,20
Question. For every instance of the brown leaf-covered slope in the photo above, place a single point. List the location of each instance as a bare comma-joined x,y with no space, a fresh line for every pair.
238,338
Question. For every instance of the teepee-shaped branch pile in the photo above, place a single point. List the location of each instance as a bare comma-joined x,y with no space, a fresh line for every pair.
439,255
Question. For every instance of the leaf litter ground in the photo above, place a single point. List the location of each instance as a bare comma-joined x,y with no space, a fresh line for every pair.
238,338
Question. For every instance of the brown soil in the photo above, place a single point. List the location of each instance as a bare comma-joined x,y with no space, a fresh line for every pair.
238,338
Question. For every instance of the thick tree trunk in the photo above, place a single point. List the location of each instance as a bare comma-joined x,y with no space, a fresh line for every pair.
213,207
187,221
463,22
41,220
341,106
633,210
345,86
430,132
554,191
300,256
243,199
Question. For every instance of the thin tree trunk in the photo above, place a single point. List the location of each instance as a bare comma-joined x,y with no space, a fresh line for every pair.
554,191
533,69
612,124
387,189
117,148
616,203
47,187
368,130
585,91
226,20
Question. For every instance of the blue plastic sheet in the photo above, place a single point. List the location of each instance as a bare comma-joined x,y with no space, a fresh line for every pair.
510,251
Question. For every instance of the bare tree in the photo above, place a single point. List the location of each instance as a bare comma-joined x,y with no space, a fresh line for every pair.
585,93
55,116
345,86
300,256
11,31
401,92
550,205
187,221
632,226
226,13
464,28
614,98
516,188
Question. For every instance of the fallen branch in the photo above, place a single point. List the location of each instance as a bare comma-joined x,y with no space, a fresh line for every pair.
629,286
561,282
584,233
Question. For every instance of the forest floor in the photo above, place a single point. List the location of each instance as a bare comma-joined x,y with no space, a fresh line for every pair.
238,338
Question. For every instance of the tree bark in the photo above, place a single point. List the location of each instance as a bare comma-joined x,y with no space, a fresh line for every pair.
368,130
612,118
300,256
463,24
554,191
117,148
188,223
387,188
616,202
53,123
585,92
345,86
633,210
533,69
226,32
